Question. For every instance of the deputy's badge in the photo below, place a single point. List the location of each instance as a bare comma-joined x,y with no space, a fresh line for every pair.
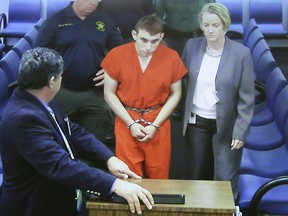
100,25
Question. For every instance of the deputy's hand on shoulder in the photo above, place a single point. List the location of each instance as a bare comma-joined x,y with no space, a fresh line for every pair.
133,193
99,78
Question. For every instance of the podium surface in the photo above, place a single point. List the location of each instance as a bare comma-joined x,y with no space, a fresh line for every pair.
202,198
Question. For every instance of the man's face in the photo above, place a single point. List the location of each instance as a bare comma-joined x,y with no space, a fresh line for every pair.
145,43
86,6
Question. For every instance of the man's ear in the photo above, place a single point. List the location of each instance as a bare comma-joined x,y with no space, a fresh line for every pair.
162,35
134,34
51,82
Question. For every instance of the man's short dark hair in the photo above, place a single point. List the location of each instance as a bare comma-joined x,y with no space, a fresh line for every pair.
151,24
37,66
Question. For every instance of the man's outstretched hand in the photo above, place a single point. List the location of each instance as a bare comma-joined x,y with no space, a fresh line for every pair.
133,193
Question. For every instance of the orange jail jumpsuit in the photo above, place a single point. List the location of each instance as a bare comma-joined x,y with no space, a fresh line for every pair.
144,90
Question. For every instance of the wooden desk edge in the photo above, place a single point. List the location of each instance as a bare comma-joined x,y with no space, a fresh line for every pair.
153,185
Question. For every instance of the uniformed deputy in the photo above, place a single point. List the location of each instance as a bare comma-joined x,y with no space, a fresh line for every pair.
82,35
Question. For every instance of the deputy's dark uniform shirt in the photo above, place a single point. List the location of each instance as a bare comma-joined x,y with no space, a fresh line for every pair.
82,43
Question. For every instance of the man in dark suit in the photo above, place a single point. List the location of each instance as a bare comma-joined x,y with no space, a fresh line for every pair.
39,147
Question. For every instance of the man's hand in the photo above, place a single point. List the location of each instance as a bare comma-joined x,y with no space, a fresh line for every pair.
99,78
137,131
141,133
150,132
133,193
119,169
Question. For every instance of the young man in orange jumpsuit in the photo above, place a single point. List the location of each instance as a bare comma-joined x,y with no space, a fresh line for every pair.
143,86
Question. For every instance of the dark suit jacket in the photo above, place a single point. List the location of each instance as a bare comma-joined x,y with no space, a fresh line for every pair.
40,177
234,85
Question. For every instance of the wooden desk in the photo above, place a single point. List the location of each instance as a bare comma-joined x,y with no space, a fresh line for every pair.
202,198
